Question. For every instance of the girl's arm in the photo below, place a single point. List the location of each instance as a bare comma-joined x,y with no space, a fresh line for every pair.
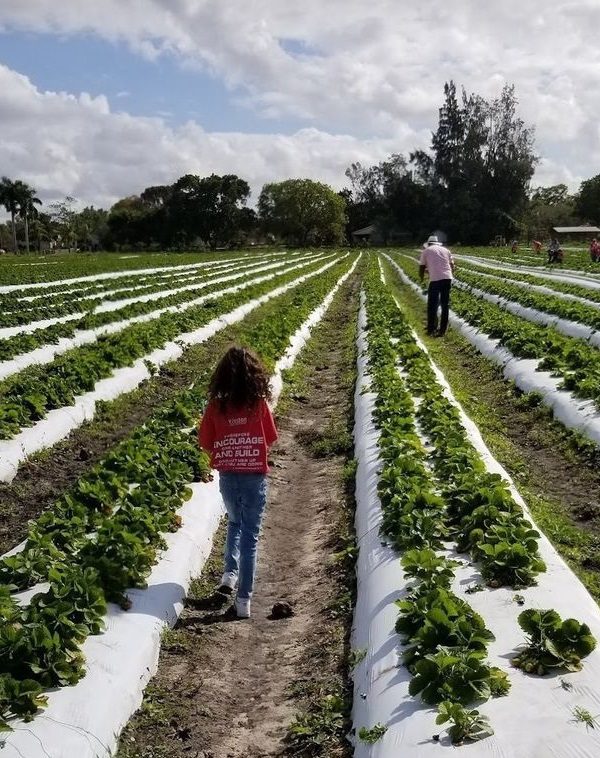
206,430
268,423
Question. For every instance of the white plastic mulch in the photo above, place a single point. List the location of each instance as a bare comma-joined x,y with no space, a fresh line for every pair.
85,721
535,720
58,424
568,409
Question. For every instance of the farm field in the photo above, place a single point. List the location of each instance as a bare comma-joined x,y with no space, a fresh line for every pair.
433,516
576,258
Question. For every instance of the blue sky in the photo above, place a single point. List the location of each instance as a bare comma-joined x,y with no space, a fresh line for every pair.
271,89
165,87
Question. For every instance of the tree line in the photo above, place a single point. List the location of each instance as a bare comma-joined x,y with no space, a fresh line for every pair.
473,183
193,213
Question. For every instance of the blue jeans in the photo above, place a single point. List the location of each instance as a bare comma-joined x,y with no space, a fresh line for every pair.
245,497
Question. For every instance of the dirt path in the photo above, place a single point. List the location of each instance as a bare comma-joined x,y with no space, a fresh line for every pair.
47,475
227,689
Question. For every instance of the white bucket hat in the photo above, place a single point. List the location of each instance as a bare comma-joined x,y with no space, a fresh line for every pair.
433,240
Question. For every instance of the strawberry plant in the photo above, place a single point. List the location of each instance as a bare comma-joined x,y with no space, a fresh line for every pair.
466,725
428,567
372,735
19,699
104,535
552,643
509,563
440,620
458,677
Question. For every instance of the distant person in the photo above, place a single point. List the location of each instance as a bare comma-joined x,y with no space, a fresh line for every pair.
437,261
537,246
514,247
237,429
595,250
555,253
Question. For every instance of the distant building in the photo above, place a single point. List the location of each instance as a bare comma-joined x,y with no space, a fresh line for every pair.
575,233
365,235
374,235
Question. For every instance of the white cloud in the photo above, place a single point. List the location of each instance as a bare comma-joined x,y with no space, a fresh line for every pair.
371,69
63,144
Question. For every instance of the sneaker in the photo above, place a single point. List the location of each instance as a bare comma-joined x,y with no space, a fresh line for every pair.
242,607
228,583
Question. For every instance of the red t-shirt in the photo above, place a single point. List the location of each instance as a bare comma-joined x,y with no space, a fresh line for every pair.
239,439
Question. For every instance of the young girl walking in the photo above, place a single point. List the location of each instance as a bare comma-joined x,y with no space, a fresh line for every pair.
237,429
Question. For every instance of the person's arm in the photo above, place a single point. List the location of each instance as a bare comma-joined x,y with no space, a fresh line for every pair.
268,422
206,430
422,266
452,263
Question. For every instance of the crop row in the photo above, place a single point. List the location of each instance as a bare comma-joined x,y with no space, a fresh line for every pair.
53,303
87,315
445,640
576,260
564,287
574,360
31,394
23,342
566,309
103,536
33,271
74,305
126,281
480,507
83,288
434,493
111,290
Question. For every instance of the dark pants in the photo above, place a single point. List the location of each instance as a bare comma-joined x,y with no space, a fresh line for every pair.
438,294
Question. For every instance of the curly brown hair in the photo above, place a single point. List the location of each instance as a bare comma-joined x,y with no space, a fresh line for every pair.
239,381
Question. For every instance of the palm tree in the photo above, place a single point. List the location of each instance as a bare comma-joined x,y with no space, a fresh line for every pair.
27,209
18,198
9,198
43,228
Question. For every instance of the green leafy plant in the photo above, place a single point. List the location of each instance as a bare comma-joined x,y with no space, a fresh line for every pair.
583,716
474,588
314,730
357,656
456,676
426,566
466,725
552,643
439,619
372,735
19,698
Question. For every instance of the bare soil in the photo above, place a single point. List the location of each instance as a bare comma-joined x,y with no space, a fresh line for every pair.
227,688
